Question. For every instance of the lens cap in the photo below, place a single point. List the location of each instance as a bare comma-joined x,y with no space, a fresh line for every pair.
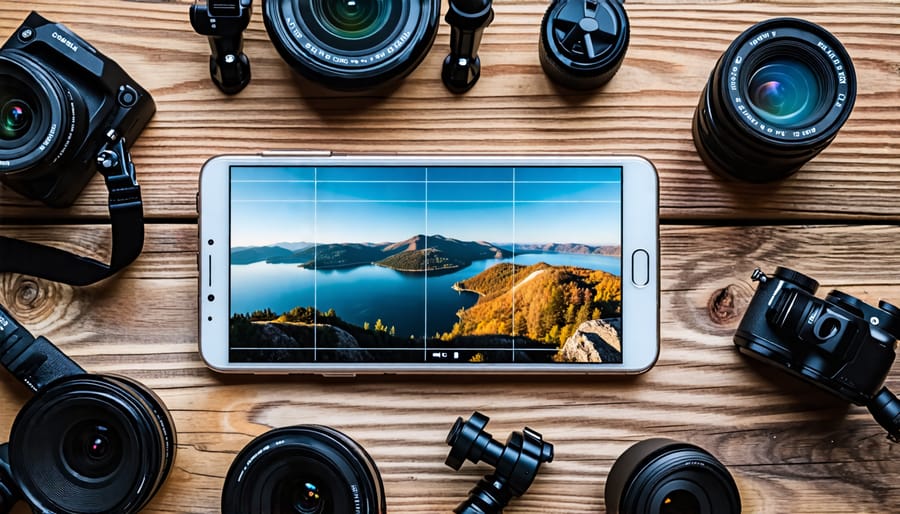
662,476
583,43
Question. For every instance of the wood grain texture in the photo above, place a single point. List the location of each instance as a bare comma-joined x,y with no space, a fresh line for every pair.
646,109
791,448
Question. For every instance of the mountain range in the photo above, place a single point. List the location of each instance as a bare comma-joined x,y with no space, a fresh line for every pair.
417,254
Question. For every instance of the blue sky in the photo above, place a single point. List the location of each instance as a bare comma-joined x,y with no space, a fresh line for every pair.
500,205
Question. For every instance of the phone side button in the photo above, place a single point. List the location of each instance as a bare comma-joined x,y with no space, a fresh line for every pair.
640,268
338,375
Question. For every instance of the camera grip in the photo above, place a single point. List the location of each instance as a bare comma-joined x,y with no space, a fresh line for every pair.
35,362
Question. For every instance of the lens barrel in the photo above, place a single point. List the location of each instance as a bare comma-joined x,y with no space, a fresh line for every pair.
662,476
92,444
352,45
38,117
775,99
305,469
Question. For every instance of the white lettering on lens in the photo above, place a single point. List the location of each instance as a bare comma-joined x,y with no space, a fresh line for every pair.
49,138
62,39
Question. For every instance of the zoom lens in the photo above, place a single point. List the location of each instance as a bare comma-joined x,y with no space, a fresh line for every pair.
92,444
776,98
661,476
306,469
37,117
352,44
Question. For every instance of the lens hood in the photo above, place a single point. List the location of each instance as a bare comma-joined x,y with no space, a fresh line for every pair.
91,444
305,469
373,44
662,476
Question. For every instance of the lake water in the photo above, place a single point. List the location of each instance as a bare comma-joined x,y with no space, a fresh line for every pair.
367,293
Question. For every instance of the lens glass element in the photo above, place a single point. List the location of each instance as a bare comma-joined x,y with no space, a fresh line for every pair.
353,19
92,449
15,118
785,92
308,498
680,502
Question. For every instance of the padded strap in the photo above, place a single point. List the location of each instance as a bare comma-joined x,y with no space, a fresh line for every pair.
126,215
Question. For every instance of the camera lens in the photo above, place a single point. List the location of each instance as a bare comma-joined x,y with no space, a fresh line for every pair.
776,98
37,117
15,118
661,476
306,469
352,44
90,444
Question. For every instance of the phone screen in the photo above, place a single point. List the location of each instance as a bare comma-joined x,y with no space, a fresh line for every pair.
425,264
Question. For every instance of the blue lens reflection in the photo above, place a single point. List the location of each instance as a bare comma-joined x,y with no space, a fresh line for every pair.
785,93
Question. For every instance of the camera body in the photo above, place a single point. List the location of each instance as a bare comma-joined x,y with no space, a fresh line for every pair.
64,102
839,343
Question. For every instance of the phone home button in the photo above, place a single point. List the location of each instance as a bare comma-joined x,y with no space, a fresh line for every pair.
640,268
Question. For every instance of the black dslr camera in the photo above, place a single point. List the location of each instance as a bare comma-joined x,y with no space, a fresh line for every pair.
84,443
840,344
66,112
61,103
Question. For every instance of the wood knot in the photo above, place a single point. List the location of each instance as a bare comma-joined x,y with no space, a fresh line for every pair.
32,300
728,304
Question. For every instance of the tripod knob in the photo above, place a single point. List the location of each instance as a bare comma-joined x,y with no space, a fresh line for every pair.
224,23
467,20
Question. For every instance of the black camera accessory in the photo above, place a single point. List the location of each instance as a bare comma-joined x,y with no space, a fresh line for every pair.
467,20
841,344
351,45
516,463
662,476
583,42
775,99
67,112
306,469
84,443
224,22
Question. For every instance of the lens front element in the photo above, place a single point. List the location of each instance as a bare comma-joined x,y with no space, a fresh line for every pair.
680,502
354,19
15,118
92,449
785,92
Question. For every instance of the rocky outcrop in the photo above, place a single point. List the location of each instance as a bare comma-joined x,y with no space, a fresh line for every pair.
594,341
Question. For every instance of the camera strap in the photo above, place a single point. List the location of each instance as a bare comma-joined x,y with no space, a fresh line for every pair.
126,214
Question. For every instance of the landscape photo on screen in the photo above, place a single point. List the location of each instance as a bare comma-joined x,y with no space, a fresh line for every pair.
439,264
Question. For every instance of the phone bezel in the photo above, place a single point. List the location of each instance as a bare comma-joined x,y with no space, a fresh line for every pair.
640,231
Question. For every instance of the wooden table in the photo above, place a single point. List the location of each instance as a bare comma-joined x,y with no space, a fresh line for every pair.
791,448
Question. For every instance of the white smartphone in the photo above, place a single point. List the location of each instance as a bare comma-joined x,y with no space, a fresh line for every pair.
312,262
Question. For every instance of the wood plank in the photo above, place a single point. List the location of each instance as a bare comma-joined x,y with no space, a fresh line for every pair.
790,447
646,109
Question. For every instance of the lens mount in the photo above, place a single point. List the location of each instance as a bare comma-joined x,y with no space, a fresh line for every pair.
661,476
776,98
305,469
92,444
38,117
352,44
